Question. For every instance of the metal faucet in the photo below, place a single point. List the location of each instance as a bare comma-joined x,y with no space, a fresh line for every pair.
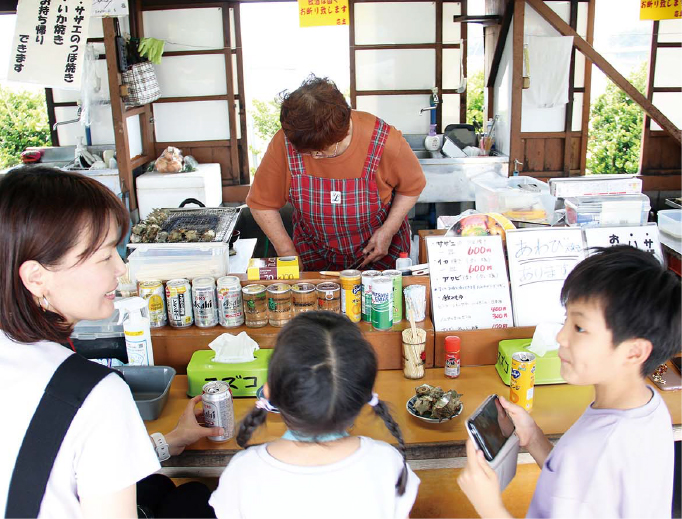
62,123
435,100
427,109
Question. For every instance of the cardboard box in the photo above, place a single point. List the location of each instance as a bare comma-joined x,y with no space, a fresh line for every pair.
284,268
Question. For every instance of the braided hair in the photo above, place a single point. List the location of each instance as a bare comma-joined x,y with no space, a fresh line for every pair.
321,374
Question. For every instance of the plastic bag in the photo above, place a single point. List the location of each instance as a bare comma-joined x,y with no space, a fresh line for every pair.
170,161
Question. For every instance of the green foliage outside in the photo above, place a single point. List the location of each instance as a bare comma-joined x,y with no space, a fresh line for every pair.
265,116
475,99
616,123
23,123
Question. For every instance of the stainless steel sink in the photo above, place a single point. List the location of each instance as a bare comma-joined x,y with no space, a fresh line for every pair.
426,154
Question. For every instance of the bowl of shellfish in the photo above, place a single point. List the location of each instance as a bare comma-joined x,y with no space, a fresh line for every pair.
434,405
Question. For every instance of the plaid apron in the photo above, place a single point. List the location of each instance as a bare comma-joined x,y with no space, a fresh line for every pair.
335,218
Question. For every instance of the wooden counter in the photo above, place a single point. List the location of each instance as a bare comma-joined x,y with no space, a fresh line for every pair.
429,446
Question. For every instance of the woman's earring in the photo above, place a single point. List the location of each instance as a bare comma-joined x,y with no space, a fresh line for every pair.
44,304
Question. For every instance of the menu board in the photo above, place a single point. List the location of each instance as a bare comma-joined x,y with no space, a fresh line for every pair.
539,262
469,286
644,237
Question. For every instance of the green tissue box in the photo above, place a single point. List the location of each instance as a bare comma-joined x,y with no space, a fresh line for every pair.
547,367
244,378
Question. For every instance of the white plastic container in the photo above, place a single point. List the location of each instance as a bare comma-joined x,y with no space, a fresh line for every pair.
517,198
605,211
670,222
169,190
186,260
136,330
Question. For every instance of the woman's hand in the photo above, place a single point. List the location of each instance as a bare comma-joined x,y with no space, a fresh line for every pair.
479,483
530,435
377,246
189,430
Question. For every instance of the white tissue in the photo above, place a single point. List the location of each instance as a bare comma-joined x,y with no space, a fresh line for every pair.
544,338
233,349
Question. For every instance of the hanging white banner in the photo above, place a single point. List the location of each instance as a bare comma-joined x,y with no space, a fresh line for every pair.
49,39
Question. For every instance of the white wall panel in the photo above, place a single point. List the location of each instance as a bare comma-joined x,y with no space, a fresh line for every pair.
134,136
395,69
452,32
191,121
395,22
399,111
186,29
200,75
668,71
670,103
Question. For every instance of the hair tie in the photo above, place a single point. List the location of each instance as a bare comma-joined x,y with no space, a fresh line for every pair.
264,403
374,400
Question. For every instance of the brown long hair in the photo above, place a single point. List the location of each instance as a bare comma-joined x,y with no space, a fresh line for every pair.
315,115
44,212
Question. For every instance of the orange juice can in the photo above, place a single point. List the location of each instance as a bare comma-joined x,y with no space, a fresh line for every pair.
351,294
522,382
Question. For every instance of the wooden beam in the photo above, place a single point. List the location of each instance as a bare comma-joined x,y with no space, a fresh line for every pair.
644,143
499,46
232,116
464,33
587,87
516,146
568,122
245,175
351,50
608,69
51,117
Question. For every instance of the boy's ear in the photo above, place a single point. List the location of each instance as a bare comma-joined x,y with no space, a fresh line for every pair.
637,351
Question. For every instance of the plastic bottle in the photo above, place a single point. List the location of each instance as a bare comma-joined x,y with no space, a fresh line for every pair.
432,142
452,360
403,263
136,330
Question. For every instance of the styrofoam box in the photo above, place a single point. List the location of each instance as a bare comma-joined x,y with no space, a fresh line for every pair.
517,198
670,222
603,211
186,260
169,190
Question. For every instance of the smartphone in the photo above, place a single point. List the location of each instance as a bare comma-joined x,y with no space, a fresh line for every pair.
677,362
490,426
671,380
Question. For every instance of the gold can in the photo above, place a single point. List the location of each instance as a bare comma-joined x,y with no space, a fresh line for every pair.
522,381
351,294
153,292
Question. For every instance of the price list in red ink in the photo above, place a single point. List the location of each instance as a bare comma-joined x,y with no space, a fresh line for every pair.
469,286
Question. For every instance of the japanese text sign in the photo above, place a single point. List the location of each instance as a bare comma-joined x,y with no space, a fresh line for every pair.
660,9
109,8
643,237
49,38
469,286
539,262
316,13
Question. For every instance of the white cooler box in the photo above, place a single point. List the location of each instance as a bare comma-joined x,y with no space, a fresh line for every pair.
169,190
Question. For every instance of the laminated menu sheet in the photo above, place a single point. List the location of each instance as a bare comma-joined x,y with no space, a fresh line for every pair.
469,286
539,262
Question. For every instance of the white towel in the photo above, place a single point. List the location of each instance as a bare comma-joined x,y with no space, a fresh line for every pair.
549,60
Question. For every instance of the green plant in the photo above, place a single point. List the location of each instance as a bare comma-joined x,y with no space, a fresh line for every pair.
23,123
266,118
475,98
616,123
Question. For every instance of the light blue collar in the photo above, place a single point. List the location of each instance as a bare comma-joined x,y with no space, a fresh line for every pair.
322,438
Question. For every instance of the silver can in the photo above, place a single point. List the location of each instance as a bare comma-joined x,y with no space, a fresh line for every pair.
367,277
179,303
204,302
230,307
218,408
153,293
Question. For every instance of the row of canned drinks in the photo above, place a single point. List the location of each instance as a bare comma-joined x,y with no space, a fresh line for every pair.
371,296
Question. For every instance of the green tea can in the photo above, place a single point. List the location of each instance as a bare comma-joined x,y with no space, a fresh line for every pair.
367,277
382,303
397,278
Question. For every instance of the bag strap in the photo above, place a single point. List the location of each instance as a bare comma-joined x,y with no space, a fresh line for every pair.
69,386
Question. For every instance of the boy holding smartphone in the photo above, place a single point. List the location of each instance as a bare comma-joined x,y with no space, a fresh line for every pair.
622,321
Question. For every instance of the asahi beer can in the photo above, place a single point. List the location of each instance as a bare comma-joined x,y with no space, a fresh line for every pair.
218,408
382,303
230,307
522,382
153,293
397,278
179,303
351,294
367,277
204,302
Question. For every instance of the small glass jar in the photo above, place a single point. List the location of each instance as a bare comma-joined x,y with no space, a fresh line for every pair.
255,306
279,304
329,297
304,297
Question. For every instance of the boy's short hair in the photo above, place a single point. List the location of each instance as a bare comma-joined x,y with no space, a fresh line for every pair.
640,298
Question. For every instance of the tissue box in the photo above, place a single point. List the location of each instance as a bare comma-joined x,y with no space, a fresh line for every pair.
244,378
547,367
273,268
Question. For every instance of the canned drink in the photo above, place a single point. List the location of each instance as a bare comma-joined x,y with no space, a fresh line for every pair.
218,408
351,294
367,277
230,307
179,303
382,303
397,278
154,294
204,302
522,382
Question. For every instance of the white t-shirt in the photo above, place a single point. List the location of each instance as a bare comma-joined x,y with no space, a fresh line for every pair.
256,485
105,450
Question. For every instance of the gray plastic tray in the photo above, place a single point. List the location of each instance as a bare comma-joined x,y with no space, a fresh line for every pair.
150,386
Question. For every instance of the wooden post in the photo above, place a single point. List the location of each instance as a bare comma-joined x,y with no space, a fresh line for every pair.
585,120
515,144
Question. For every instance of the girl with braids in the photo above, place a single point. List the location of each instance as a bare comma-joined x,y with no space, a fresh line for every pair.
321,374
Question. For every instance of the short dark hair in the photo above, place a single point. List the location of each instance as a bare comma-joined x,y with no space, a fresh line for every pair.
44,212
320,376
315,115
640,298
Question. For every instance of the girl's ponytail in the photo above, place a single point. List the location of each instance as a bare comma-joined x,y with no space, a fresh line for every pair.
249,424
382,411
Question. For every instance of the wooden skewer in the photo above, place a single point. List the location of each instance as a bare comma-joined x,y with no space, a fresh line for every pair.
330,273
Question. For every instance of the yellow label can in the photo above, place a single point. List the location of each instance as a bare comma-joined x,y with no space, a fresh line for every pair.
351,294
522,381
